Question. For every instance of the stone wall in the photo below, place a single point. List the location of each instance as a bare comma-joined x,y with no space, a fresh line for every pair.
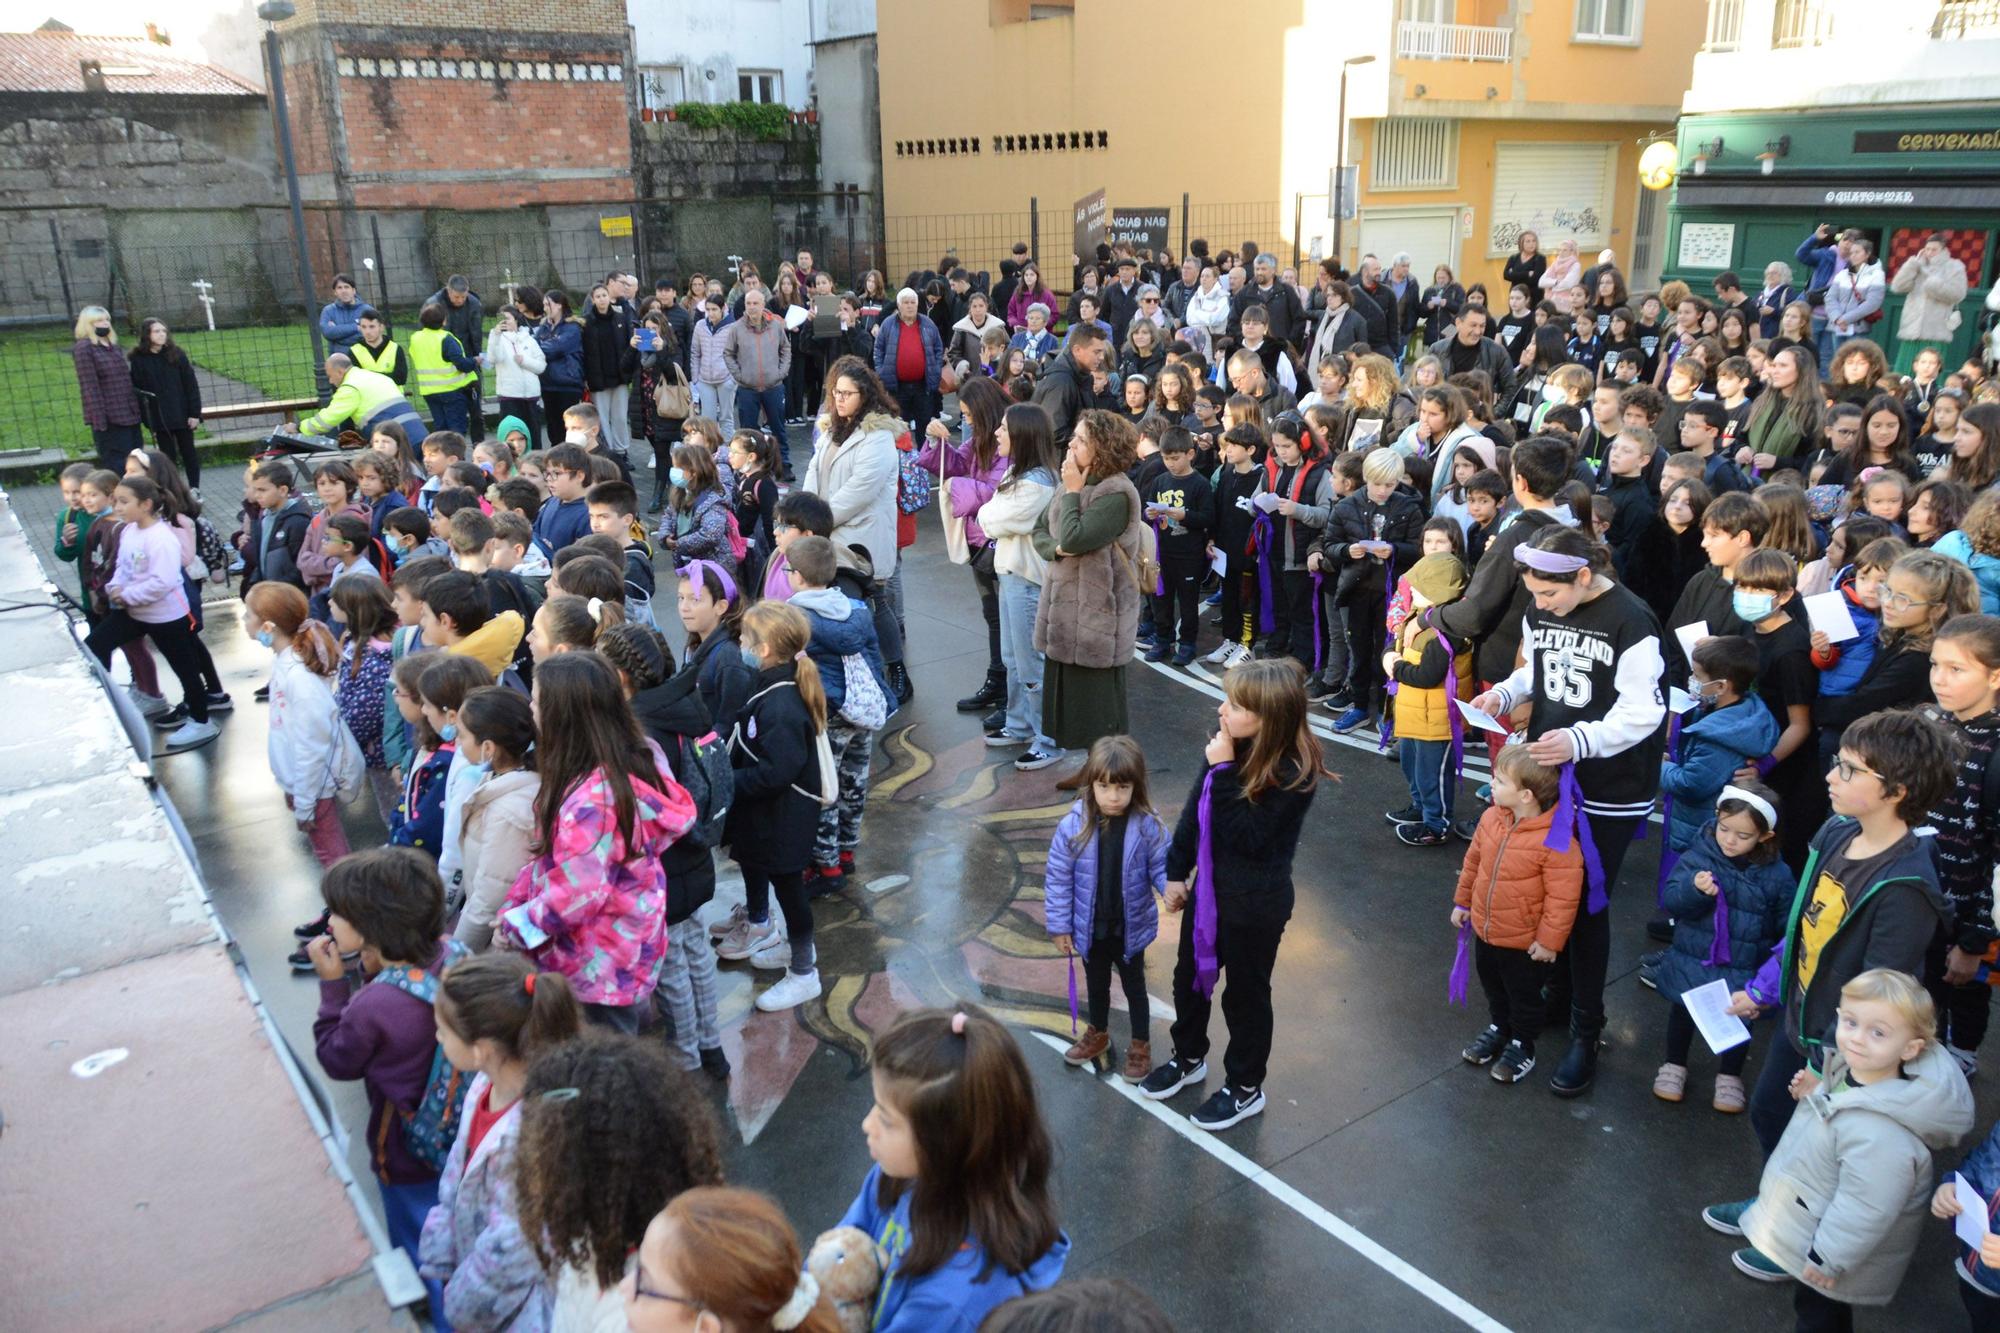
118,153
677,161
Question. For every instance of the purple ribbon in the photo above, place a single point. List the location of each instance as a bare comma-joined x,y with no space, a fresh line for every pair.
1718,948
1205,966
1765,765
1389,639
1070,958
1668,856
1264,535
1458,985
1451,707
1159,544
1319,622
1570,821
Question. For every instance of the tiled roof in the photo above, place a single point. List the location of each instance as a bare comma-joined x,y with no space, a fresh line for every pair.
52,62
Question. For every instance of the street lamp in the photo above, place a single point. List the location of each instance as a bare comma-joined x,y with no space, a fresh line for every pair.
274,12
1340,158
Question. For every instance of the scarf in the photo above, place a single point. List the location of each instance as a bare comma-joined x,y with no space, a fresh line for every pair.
1570,821
1718,948
1205,966
1457,985
1264,535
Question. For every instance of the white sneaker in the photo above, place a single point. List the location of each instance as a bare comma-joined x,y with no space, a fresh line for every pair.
773,957
737,946
790,992
188,736
152,705
728,923
1220,655
1238,652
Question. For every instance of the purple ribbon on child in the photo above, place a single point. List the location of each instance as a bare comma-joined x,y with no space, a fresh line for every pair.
1205,965
1159,544
1070,958
1264,534
1668,856
1458,985
1718,948
1451,707
1319,622
1389,643
1570,821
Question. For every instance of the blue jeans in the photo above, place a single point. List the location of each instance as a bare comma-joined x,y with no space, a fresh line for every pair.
1019,599
771,402
1427,768
404,1208
1823,340
448,411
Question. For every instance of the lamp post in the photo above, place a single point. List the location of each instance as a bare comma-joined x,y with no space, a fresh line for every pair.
1340,160
274,12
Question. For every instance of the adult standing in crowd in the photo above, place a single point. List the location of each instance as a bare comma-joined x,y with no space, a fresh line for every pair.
516,360
1087,622
609,363
1527,264
560,337
909,358
443,368
714,391
1934,283
1854,298
1468,348
757,353
854,468
1407,290
465,320
104,377
378,352
659,366
1068,389
1286,313
1182,290
1591,675
1824,255
1379,314
340,318
169,395
1340,328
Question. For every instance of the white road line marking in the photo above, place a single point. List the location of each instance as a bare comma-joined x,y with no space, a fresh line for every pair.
1395,1266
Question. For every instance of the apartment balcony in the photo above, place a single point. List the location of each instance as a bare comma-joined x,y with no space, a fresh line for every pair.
1417,40
1823,54
1792,25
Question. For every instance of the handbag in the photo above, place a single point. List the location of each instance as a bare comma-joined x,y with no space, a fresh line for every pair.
947,380
673,398
862,704
955,544
982,560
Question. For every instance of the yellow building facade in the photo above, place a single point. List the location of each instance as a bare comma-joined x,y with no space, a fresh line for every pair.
1468,121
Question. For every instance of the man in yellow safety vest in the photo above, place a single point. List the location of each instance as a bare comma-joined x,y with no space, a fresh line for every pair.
441,368
365,398
377,351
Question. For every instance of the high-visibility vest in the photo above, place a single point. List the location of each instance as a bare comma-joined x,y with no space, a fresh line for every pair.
366,398
434,374
383,362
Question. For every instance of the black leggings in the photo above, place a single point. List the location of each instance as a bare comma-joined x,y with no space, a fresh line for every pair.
178,444
1680,1040
1097,966
555,402
174,638
1581,966
789,885
989,607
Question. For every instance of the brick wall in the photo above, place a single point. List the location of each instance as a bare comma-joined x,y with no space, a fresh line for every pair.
483,15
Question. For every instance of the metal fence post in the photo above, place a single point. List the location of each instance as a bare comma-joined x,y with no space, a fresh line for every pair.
381,260
1035,228
1184,224
1298,218
62,265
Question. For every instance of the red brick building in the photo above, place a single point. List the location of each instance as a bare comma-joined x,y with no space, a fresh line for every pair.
460,104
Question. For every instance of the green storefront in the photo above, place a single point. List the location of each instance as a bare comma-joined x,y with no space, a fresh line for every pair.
1896,175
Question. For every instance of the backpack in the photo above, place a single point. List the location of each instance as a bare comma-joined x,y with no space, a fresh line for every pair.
862,703
913,484
428,1131
738,547
829,772
208,546
702,767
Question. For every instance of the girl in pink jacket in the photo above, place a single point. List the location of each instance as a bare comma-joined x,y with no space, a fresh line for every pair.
592,904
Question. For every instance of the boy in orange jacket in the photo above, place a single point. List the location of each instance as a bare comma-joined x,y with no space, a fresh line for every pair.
1521,898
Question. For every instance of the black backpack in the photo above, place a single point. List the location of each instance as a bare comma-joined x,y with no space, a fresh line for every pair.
702,766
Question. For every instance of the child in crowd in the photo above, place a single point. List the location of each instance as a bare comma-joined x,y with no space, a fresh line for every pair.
711,610
1236,838
1298,488
474,542
1841,1204
781,790
753,457
518,495
1426,680
568,624
1732,526
1487,501
494,1016
1978,1269
564,516
313,755
513,551
1842,665
385,909
1180,504
73,520
614,513
458,617
609,1110
1728,729
841,628
1727,897
97,561
1867,897
730,1253
592,904
1374,535
1107,861
1965,679
337,486
1787,682
388,442
447,680
409,533
419,819
958,1202
1520,898
363,617
441,448
406,599
496,733
276,535
1235,519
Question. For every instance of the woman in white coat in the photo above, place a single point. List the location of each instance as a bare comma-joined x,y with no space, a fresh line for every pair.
517,363
1208,308
854,463
1027,440
1933,283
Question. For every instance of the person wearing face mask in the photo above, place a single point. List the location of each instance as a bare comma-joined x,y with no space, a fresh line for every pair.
1727,729
104,378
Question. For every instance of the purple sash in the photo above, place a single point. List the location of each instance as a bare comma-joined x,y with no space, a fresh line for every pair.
1205,965
1319,622
1389,639
1718,948
1451,708
1159,544
1264,535
1668,856
1457,986
1070,958
1570,821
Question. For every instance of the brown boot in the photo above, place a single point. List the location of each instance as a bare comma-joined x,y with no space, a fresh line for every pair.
1138,1061
1093,1043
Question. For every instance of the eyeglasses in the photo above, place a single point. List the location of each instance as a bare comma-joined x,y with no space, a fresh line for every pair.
1149,300
639,1288
1848,772
847,393
1902,601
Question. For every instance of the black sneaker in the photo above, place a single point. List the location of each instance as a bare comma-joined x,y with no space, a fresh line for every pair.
263,694
1465,829
1409,814
1159,652
1421,835
1339,701
995,720
303,964
1649,976
1226,1106
1318,689
1661,928
1485,1046
1514,1063
1036,757
1171,1077
220,702
313,929
171,719
714,1063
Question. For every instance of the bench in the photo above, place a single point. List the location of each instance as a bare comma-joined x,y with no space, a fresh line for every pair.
275,407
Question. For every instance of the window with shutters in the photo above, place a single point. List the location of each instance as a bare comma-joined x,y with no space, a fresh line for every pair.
1414,153
1556,190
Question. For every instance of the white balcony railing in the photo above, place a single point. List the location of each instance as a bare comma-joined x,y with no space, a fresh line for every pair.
1725,25
1452,41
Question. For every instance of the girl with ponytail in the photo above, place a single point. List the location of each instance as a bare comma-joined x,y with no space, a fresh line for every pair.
729,1253
778,751
495,1014
313,755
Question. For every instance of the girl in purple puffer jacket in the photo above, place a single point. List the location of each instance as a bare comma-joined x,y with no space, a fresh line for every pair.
1103,906
968,473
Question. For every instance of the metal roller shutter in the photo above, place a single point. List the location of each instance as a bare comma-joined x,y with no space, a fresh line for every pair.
1555,190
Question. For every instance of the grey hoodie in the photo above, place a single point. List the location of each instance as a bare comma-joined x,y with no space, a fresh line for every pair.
1850,1182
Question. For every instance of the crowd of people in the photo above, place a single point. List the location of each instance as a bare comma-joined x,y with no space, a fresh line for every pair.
1655,551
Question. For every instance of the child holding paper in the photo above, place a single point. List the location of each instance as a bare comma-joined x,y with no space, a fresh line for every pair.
1728,728
1520,898
1428,681
1728,897
1978,1269
1842,1200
